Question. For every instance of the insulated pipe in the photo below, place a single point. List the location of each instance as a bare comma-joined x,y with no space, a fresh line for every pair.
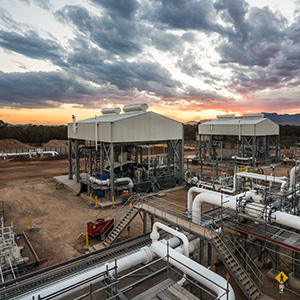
125,179
191,191
107,182
198,190
155,235
234,186
216,283
286,219
93,179
293,176
144,255
269,178
215,199
253,209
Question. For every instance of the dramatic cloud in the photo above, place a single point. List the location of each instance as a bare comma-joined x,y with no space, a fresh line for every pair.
193,54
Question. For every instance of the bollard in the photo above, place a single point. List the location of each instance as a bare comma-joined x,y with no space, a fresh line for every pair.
96,201
30,222
91,199
113,200
87,241
178,211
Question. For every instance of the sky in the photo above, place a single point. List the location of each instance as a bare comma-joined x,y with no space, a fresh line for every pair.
187,59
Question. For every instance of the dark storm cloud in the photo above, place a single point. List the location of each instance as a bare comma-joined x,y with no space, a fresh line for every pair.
112,50
184,14
123,8
92,65
41,89
31,45
117,35
256,41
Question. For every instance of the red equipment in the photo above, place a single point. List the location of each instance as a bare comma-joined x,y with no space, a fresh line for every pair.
100,227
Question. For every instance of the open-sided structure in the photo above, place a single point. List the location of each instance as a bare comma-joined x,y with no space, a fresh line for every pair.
119,151
251,138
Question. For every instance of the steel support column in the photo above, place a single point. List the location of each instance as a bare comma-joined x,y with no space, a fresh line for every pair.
77,161
209,254
144,222
201,251
112,171
70,158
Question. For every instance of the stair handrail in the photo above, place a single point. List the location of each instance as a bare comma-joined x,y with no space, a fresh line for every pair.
121,213
260,275
230,264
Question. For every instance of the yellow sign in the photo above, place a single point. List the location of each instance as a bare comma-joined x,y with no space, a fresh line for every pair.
281,278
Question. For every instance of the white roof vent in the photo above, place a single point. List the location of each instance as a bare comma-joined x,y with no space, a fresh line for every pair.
111,111
142,107
253,116
219,117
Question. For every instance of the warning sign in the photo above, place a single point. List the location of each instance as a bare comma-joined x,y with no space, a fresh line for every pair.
281,278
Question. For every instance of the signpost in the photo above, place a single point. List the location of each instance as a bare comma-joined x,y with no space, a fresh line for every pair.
281,278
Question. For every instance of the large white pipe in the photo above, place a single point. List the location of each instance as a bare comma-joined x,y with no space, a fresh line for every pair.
269,178
208,278
293,177
155,235
253,209
198,190
215,199
233,188
144,255
286,219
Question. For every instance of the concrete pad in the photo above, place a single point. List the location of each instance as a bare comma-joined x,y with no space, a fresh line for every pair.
293,281
265,297
259,263
71,184
272,275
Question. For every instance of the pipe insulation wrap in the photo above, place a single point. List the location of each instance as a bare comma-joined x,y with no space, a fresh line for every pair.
144,255
193,269
253,209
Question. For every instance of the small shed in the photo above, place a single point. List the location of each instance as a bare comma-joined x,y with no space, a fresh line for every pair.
251,137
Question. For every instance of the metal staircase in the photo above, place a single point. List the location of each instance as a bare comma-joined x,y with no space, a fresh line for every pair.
237,271
224,246
123,218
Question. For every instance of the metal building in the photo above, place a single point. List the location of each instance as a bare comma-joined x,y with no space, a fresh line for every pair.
118,149
251,138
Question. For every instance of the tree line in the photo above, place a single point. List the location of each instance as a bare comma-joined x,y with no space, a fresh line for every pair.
39,134
34,134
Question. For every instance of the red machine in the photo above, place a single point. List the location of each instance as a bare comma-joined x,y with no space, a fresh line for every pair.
100,227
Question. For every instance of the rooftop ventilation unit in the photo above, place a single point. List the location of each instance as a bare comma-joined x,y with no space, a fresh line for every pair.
135,108
111,111
227,117
253,116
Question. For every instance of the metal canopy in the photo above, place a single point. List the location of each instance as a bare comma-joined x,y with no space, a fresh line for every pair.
128,127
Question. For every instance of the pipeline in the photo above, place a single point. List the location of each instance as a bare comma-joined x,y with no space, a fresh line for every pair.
269,178
107,182
253,209
198,190
216,283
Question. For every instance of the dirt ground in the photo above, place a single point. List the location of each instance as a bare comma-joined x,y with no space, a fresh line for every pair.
28,188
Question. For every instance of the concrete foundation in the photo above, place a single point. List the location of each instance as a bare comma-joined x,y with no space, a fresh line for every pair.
271,274
294,282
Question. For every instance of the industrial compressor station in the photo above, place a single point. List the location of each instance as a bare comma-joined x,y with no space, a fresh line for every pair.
237,213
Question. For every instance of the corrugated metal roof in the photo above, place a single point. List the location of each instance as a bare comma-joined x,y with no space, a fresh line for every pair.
233,121
111,118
